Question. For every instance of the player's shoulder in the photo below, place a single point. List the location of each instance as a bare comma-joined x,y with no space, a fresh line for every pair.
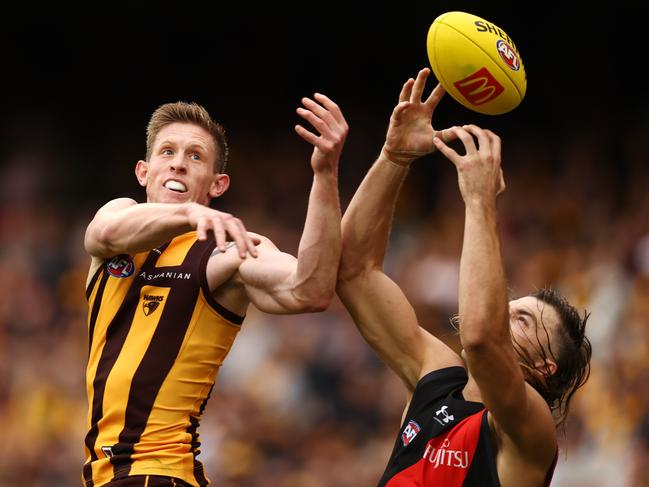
118,203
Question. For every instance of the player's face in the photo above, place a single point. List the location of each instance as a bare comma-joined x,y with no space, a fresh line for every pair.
533,325
181,166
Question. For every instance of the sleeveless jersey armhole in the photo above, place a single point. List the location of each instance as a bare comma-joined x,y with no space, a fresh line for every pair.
213,303
93,281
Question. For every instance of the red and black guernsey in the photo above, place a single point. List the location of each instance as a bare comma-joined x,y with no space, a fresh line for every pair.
444,440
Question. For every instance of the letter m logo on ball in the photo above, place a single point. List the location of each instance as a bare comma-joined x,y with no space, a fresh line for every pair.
480,87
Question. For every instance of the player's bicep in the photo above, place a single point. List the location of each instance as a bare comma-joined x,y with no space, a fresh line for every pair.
269,279
388,323
95,237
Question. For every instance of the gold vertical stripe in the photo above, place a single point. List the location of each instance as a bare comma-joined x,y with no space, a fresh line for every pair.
118,384
176,252
205,344
114,293
208,339
102,469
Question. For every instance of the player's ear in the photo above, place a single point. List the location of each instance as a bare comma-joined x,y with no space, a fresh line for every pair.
547,367
220,185
141,172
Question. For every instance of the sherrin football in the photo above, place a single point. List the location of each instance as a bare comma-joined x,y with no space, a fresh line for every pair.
477,62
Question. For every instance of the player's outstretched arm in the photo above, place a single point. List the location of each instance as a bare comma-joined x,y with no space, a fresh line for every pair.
123,226
277,282
379,308
520,413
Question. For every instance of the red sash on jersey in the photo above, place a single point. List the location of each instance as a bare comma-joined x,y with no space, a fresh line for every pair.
446,458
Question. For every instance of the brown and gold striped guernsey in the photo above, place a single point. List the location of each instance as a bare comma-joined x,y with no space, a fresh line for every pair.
157,339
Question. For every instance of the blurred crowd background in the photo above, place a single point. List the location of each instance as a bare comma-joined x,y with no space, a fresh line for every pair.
301,400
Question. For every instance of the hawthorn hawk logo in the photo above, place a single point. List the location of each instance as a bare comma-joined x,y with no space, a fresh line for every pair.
151,303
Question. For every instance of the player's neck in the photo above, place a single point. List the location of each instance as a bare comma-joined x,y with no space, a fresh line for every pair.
471,392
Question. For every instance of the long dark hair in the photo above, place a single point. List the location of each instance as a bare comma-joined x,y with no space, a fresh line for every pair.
571,352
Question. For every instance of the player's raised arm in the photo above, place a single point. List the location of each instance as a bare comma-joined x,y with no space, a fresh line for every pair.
123,226
520,414
380,310
277,282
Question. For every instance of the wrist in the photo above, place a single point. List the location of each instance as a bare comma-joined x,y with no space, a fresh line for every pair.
327,175
185,213
480,204
387,155
184,209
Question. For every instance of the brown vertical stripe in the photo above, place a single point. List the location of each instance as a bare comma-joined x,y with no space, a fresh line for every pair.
115,337
93,281
199,474
222,310
95,307
155,365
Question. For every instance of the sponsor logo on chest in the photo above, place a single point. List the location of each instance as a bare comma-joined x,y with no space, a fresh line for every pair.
445,455
152,276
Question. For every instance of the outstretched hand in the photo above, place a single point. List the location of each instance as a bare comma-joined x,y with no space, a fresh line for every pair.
480,175
410,133
328,120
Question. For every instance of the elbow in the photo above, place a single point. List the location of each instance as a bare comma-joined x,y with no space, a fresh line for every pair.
479,336
106,240
319,306
97,241
473,342
319,302
314,301
104,236
310,306
472,335
100,241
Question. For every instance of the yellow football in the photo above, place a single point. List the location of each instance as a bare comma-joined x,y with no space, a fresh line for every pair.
477,62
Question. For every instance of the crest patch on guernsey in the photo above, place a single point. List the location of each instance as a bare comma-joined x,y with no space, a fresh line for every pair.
150,303
409,432
120,266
